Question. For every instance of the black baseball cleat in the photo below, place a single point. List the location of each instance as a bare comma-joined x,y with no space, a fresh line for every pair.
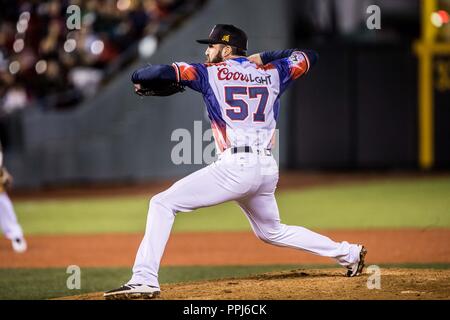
356,268
132,291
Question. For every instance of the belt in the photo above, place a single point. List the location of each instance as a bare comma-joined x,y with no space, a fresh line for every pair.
248,149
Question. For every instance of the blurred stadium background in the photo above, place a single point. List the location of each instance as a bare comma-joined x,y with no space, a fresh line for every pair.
376,106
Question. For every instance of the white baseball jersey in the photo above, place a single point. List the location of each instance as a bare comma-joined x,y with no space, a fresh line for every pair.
242,99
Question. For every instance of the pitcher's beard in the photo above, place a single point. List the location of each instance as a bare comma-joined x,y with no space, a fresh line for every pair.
218,58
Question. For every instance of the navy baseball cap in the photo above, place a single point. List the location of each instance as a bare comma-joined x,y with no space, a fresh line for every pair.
227,34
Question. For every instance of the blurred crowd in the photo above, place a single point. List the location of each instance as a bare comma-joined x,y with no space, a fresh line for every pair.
53,57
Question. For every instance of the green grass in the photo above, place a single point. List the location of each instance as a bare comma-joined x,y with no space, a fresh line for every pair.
118,214
31,284
390,204
51,283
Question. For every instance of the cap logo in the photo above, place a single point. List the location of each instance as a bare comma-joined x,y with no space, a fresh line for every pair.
226,38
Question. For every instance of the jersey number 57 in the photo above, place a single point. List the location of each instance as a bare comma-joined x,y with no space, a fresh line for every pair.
238,109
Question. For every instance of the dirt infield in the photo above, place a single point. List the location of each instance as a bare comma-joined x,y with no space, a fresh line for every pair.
301,284
226,248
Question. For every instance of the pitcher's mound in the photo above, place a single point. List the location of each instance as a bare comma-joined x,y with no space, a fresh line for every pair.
311,284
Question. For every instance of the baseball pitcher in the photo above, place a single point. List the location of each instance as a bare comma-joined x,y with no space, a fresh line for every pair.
242,97
8,220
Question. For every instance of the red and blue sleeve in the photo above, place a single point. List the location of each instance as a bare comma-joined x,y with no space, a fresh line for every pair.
194,75
294,66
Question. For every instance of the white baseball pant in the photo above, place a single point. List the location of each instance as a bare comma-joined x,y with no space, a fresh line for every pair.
250,180
8,220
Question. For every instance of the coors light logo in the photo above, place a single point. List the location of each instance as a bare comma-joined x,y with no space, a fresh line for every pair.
226,74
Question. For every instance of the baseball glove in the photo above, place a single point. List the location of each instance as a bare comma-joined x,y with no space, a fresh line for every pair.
159,88
6,179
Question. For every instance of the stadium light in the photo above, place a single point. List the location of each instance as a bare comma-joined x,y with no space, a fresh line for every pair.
22,26
18,45
14,67
97,47
25,16
147,46
439,18
70,45
41,66
123,5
